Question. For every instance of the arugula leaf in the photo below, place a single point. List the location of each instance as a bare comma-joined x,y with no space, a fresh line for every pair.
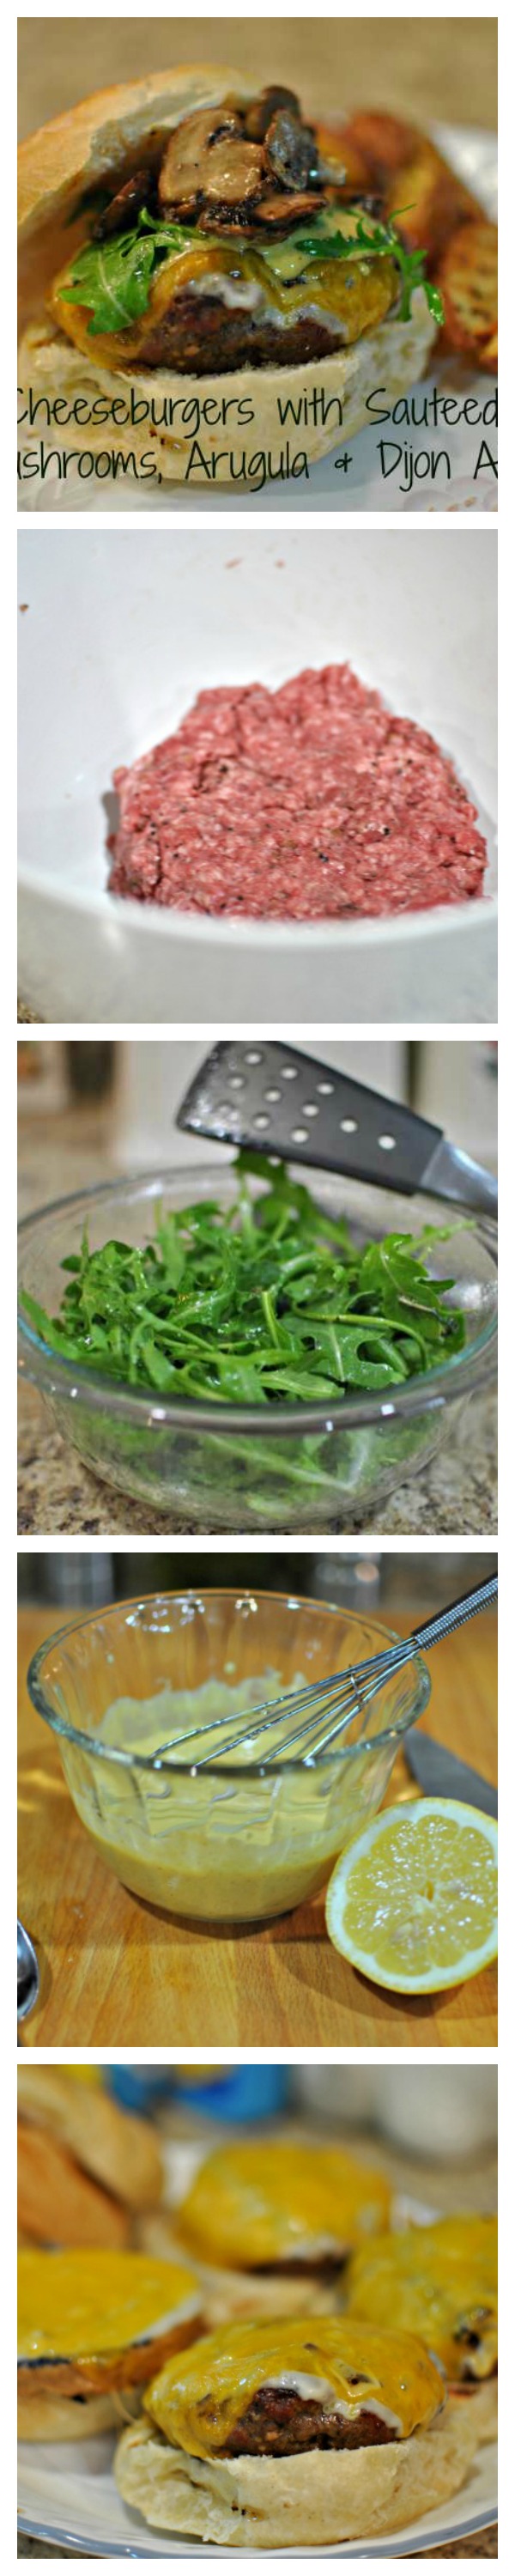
411,265
375,241
113,278
268,1298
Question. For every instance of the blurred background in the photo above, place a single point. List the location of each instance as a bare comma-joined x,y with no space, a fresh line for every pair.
90,1108
427,68
398,1585
432,2122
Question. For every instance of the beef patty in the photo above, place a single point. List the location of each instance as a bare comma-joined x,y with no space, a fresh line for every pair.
281,2423
200,336
46,2377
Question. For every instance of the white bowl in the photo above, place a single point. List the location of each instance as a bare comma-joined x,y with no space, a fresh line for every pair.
119,630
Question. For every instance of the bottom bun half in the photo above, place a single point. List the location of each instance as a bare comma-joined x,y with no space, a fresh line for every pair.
314,2500
227,2294
72,2419
236,428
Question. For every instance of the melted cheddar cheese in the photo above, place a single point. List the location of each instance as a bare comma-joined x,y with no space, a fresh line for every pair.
349,292
199,2398
440,2282
261,2203
77,2306
116,348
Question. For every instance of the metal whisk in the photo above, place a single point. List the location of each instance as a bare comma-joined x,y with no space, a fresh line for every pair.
319,1713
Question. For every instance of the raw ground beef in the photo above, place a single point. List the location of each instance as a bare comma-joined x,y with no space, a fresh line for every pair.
298,803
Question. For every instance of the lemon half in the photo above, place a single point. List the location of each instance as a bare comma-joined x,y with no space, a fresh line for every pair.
413,1902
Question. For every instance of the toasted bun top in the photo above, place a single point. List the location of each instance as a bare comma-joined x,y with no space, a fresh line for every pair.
199,2397
82,2304
115,2146
439,2281
92,140
60,2204
260,2203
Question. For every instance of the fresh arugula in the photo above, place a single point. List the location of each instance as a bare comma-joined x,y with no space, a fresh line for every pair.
113,279
376,241
269,1299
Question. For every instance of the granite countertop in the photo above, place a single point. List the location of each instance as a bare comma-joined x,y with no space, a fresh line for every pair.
57,1494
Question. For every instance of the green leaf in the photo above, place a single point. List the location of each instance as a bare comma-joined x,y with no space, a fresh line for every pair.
368,241
113,278
260,1301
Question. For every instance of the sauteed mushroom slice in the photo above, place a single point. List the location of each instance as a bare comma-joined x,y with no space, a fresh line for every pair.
290,150
259,115
272,213
208,157
281,212
125,206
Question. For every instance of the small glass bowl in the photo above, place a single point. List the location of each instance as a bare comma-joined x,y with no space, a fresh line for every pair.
243,1467
225,1842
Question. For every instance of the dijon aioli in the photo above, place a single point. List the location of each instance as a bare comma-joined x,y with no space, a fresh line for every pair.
238,1844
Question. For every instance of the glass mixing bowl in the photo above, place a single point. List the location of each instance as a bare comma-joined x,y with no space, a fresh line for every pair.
243,1467
228,1842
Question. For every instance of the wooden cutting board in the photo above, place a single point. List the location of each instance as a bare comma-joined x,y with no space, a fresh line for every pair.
117,1973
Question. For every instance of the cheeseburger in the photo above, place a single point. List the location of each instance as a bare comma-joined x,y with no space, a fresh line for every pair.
195,263
285,2434
439,2282
84,2167
267,2225
92,2329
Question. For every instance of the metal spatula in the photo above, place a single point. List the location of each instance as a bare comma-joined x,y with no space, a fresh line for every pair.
282,1102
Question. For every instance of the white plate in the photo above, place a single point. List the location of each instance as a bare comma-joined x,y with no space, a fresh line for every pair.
474,157
73,2501
116,639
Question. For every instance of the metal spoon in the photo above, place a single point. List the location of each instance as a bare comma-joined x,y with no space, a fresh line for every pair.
28,1973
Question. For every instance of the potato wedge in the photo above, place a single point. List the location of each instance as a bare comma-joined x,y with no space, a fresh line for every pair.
411,175
340,152
428,201
467,278
384,143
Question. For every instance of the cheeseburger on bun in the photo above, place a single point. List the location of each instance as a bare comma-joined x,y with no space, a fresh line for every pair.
268,2224
197,266
439,2282
283,2434
92,2329
84,2167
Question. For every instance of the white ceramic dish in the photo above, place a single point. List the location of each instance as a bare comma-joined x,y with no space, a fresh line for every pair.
363,486
73,2502
117,635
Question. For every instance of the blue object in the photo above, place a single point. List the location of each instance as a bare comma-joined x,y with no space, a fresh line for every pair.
243,2093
